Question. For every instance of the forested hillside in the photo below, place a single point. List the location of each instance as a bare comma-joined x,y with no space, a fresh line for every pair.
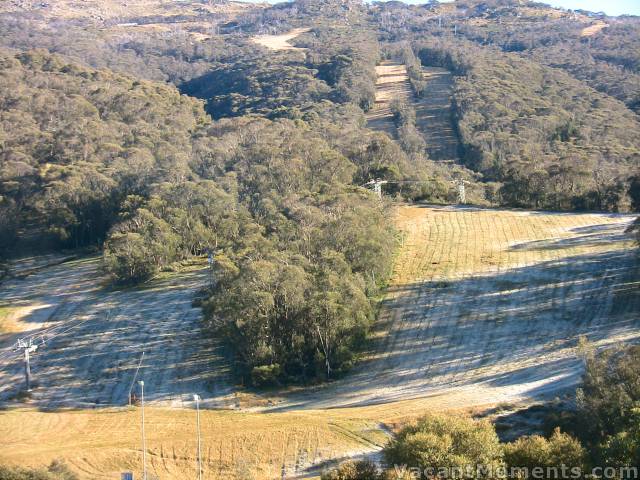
552,141
157,181
564,137
76,142
159,135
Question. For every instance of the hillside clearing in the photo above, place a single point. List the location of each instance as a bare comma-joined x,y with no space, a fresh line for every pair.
434,115
280,42
101,444
480,300
486,306
94,337
391,82
593,29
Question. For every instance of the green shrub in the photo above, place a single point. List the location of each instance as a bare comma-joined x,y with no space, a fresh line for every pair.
438,441
56,471
551,454
361,470
266,375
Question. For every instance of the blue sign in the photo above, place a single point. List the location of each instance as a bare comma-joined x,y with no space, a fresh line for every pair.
126,476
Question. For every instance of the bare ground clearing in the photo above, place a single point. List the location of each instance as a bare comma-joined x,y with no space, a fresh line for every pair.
593,29
486,306
434,115
94,337
487,301
99,444
280,42
391,82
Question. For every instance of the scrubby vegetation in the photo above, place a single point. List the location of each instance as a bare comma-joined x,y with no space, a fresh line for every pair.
551,141
436,442
76,142
155,180
604,432
55,471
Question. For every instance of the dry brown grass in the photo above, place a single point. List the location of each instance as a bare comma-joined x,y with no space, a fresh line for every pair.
280,42
593,29
99,444
445,244
441,244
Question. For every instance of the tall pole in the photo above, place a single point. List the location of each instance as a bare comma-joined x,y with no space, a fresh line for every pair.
197,399
144,442
133,382
27,369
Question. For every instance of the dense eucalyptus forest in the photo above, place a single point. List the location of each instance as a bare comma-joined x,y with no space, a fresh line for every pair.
155,146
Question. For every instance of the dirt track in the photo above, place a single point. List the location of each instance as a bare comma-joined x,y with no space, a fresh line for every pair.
280,42
434,115
487,306
391,82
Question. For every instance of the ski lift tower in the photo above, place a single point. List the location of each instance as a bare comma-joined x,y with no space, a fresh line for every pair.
462,194
376,185
28,347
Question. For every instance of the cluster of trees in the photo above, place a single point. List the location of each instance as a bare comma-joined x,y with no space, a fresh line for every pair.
607,418
439,446
74,142
550,140
298,252
603,431
98,158
404,117
258,84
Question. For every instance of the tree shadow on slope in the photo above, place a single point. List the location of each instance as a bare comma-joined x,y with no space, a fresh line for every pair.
590,236
514,330
91,360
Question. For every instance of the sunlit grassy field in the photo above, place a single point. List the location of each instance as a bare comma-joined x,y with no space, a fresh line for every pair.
483,309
